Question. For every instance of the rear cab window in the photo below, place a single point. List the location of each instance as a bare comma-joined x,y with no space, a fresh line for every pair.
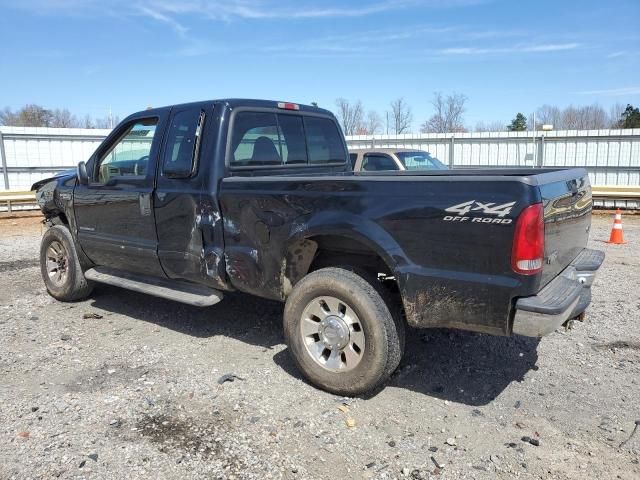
275,139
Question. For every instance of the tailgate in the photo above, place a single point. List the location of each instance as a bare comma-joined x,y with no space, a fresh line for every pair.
567,219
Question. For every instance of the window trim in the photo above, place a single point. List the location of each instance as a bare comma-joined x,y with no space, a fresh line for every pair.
195,158
100,155
304,133
355,160
278,111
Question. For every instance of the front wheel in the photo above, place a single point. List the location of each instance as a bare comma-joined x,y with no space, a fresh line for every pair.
342,334
60,267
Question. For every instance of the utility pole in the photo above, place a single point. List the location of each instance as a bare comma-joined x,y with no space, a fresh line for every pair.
533,130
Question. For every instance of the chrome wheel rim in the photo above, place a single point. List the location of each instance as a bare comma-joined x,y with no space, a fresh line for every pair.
332,334
57,263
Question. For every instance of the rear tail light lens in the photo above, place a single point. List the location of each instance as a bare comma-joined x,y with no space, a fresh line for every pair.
528,241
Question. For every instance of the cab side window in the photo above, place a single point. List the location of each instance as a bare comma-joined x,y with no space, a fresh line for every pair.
129,157
377,162
183,144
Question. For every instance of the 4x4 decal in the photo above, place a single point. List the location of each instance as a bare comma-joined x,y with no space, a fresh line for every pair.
487,208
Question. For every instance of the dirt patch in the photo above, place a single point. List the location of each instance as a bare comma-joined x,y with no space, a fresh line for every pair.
11,226
16,265
183,434
619,345
107,377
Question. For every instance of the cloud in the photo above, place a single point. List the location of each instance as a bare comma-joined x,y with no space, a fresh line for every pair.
161,17
295,9
554,47
227,10
612,92
391,34
377,42
617,54
550,47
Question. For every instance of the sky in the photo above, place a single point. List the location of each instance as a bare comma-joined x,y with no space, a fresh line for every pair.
506,56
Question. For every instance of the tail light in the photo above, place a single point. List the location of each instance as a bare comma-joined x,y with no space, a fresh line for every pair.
288,106
528,241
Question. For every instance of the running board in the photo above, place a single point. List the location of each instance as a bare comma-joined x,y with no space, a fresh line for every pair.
176,290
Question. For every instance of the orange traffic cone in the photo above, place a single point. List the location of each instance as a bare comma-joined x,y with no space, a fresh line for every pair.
616,232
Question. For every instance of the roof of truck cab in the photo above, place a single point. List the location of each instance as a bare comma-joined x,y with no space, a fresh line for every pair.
242,102
385,150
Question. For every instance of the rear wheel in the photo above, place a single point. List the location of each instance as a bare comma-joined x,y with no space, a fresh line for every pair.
342,334
60,267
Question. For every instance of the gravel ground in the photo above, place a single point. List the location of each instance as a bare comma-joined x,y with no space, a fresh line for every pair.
133,391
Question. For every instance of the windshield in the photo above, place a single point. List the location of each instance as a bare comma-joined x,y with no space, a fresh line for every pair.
420,161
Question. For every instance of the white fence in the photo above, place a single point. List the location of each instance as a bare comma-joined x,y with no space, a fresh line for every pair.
30,154
612,157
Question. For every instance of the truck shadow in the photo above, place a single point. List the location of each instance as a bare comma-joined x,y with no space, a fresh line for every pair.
244,317
462,367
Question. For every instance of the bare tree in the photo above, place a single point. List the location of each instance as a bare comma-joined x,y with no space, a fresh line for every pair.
570,118
350,116
594,117
106,122
401,116
63,118
28,116
615,115
87,122
583,118
33,115
548,115
36,116
448,116
495,126
8,117
373,123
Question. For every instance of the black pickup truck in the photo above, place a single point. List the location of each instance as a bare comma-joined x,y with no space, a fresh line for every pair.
189,201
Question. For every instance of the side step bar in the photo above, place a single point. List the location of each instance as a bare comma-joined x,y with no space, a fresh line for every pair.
176,290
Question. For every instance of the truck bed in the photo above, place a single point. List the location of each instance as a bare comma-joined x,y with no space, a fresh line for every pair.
451,272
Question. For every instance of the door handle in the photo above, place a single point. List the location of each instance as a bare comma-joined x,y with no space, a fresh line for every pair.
145,204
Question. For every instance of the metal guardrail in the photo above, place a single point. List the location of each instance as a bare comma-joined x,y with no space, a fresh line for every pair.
13,197
616,192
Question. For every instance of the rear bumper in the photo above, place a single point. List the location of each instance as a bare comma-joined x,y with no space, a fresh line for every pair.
567,296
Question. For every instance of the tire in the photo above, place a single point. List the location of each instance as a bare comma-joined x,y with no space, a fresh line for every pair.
60,267
359,339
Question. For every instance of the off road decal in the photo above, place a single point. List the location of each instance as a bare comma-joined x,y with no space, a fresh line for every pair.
484,208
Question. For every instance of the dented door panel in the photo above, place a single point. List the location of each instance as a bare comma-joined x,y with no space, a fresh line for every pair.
188,221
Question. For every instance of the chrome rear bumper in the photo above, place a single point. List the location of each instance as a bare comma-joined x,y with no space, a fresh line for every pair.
567,296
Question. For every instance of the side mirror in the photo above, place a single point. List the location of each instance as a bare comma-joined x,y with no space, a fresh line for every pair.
81,171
